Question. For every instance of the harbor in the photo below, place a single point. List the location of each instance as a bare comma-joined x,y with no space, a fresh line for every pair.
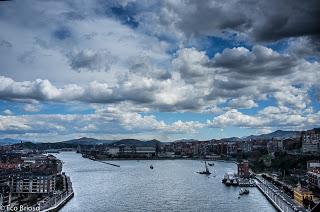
243,185
170,185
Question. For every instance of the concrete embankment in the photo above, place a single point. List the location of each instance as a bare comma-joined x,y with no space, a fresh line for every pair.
59,204
277,197
57,201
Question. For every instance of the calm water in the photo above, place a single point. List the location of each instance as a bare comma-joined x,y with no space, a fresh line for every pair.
172,185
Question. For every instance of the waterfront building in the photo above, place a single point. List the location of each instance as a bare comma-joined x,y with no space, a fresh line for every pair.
314,179
231,148
145,152
133,151
311,141
5,190
25,183
313,164
300,194
260,145
167,155
243,169
113,151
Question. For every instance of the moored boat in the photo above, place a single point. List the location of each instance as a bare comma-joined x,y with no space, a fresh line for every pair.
234,182
243,191
206,171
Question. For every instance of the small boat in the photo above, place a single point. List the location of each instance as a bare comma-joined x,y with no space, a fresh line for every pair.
211,164
206,171
234,182
151,166
225,178
243,191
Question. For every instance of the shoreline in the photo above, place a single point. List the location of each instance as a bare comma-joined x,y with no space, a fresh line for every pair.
162,158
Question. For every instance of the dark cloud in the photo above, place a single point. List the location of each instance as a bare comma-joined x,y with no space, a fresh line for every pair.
5,44
261,61
287,18
261,21
62,33
91,60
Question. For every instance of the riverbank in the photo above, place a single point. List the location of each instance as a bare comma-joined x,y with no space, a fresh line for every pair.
92,157
57,201
279,199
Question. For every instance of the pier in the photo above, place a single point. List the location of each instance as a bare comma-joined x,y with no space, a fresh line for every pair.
278,198
111,164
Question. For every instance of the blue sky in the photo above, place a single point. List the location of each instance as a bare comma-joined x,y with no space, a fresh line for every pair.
148,69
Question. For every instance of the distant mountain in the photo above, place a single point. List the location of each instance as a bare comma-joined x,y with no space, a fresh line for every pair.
186,140
137,143
279,134
9,141
88,141
231,139
94,141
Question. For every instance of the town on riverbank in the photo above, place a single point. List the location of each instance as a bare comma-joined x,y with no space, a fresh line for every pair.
286,170
31,181
290,164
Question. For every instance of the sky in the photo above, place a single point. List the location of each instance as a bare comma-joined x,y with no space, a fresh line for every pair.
164,70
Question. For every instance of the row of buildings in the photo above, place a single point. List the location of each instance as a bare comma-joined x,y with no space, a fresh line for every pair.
311,141
229,148
303,194
29,177
307,142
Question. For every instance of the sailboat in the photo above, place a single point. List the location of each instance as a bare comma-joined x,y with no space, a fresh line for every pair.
206,172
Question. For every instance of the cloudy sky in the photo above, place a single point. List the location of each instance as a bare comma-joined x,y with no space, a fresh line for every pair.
165,69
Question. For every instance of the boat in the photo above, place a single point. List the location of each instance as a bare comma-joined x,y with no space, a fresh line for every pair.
211,164
243,191
228,183
234,182
206,171
225,178
151,166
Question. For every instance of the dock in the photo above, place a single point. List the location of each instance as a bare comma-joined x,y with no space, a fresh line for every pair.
234,180
278,198
111,164
247,183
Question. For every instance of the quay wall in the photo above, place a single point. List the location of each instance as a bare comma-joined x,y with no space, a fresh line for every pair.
269,198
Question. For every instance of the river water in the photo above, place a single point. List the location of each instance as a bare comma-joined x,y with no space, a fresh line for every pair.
173,185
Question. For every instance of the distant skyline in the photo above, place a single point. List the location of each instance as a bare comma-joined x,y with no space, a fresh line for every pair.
158,69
